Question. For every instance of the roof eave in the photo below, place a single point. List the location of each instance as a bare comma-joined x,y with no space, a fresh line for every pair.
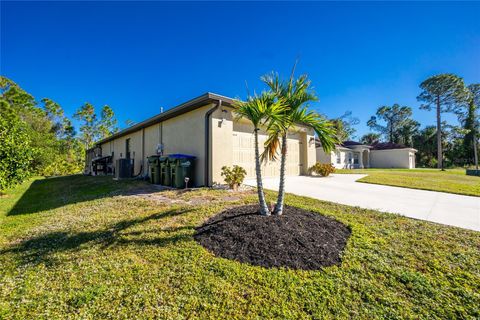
185,107
407,148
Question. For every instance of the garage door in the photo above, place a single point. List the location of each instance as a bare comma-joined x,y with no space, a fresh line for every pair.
244,155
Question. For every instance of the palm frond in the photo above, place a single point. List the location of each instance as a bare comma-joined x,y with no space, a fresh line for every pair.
324,129
293,96
271,145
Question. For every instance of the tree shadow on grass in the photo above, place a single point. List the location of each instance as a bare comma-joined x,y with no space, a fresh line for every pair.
51,193
40,249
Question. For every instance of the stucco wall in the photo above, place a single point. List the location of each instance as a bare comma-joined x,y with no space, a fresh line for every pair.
186,134
331,157
106,149
223,127
152,140
182,134
117,146
300,154
221,134
324,157
135,149
394,158
345,157
309,156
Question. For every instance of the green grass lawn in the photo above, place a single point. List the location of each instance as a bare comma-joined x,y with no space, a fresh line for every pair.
91,248
452,180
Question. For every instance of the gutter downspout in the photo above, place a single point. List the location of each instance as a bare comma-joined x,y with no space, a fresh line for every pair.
207,142
142,172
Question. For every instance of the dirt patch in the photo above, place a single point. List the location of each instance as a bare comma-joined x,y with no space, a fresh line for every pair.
298,239
165,195
153,193
231,198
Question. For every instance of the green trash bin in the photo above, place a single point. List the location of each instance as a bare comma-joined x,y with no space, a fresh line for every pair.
181,167
165,172
154,164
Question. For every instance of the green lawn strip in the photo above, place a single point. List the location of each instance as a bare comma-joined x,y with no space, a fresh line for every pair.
126,257
457,171
9,226
451,181
31,202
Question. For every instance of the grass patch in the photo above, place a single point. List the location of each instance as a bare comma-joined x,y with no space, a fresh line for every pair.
451,181
97,250
38,198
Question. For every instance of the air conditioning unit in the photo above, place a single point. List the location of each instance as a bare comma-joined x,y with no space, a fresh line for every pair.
123,168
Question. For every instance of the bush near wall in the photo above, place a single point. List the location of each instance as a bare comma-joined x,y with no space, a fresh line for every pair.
323,169
233,176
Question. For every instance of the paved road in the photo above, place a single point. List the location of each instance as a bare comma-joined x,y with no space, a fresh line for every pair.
451,209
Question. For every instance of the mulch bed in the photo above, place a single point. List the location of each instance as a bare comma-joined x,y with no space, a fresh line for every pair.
299,239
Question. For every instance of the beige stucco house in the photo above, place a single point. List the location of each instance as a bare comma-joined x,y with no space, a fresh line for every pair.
204,127
355,155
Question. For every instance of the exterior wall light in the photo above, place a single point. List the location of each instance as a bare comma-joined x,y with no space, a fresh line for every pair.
224,113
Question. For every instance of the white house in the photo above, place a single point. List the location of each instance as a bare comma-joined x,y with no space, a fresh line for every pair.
355,155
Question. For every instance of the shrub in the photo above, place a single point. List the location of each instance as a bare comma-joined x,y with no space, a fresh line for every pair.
323,169
234,176
15,152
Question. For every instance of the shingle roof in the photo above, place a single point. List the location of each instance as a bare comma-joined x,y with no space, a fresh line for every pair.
351,143
388,146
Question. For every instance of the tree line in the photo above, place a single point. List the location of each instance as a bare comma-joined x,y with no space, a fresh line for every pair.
37,138
440,145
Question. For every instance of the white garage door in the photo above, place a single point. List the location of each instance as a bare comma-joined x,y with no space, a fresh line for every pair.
244,155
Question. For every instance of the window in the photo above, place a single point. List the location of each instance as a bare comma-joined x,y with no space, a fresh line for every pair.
339,159
348,159
355,158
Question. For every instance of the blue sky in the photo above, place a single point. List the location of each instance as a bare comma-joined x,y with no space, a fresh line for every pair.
138,57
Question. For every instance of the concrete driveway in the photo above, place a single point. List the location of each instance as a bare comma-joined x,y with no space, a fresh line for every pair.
451,209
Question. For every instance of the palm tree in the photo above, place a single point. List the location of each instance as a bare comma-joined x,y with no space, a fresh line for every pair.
296,94
259,109
471,120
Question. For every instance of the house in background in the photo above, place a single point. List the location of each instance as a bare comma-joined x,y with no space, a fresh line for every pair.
204,127
355,155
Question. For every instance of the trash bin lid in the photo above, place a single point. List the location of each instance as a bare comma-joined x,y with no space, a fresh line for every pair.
152,158
181,156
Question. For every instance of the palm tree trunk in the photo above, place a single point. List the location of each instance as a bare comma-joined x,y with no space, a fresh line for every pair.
475,151
474,134
261,195
281,188
439,138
